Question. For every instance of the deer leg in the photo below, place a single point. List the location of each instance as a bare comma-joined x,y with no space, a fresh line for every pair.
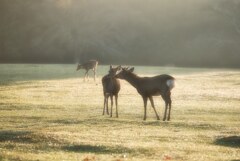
94,72
107,104
85,75
169,112
166,105
145,107
104,102
152,103
111,105
165,112
116,102
170,106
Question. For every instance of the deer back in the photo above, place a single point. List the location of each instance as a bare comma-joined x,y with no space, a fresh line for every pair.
91,64
110,84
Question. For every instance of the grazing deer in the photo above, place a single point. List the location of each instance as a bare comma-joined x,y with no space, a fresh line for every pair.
148,87
111,87
90,65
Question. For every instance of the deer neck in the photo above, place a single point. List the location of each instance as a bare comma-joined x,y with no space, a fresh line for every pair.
133,79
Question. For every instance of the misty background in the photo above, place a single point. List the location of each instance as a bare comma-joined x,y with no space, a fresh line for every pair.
155,32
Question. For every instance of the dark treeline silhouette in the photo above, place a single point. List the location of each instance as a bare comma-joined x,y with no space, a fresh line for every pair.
156,32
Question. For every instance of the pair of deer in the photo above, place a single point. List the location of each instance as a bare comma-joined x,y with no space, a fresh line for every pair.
147,87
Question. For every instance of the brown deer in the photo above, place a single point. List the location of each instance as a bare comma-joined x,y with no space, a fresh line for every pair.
111,87
90,65
148,87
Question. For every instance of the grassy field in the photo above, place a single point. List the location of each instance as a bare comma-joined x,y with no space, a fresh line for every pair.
47,112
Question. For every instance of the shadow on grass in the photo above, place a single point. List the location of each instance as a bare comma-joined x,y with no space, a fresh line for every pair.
16,136
194,125
27,140
41,142
13,107
185,125
99,149
14,119
158,123
230,141
66,121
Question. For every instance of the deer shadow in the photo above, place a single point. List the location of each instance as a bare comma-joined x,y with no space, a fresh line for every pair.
230,141
16,136
67,121
97,149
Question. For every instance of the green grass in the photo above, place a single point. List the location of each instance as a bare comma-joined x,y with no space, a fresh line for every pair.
47,112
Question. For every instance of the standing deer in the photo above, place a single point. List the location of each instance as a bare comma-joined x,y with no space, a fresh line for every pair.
90,65
111,87
148,87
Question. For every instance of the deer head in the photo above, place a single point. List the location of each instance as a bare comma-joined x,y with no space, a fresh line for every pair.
123,72
113,71
79,67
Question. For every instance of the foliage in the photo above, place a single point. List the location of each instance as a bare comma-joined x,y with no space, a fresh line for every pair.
158,32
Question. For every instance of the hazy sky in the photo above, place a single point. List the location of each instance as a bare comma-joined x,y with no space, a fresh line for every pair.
153,32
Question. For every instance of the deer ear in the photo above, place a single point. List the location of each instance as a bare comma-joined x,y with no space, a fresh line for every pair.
111,66
131,69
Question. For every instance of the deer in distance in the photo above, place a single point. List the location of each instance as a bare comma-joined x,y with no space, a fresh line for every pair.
111,87
89,65
148,87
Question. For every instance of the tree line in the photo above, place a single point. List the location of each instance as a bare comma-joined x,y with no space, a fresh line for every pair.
158,32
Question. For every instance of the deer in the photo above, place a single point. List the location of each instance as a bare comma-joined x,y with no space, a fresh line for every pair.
89,65
148,87
111,87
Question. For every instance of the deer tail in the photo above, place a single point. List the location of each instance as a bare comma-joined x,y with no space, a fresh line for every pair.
170,83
